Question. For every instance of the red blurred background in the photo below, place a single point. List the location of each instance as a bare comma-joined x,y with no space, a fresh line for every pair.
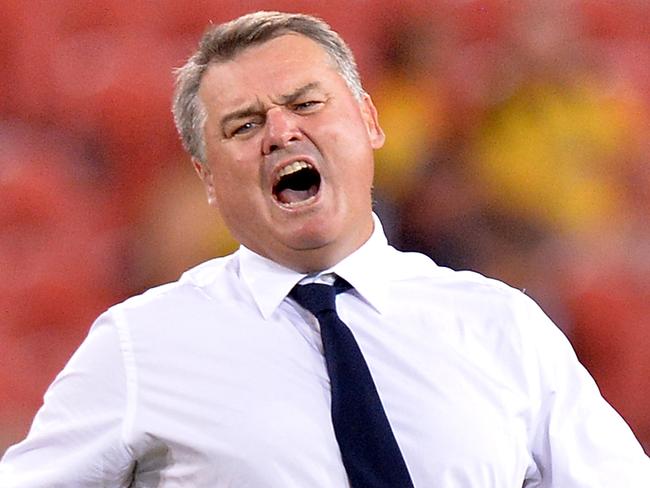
516,147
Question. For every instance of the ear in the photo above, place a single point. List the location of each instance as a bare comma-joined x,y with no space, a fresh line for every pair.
369,115
205,173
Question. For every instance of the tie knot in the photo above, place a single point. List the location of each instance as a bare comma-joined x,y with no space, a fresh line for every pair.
318,297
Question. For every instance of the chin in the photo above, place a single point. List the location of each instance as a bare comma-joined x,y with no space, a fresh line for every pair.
311,243
318,254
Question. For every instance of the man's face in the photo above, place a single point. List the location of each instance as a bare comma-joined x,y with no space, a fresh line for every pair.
289,153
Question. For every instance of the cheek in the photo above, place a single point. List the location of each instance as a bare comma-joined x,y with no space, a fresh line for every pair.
348,147
237,186
346,138
233,170
356,133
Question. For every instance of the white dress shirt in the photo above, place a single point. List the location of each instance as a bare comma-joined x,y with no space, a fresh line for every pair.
219,380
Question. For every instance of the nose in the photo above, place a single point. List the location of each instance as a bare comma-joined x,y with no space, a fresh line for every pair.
281,129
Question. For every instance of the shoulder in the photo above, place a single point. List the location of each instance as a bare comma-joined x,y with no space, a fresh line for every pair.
418,270
196,286
481,314
466,297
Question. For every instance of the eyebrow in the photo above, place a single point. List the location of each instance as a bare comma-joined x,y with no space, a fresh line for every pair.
257,107
299,92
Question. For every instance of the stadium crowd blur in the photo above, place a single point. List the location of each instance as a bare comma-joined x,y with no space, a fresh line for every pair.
516,147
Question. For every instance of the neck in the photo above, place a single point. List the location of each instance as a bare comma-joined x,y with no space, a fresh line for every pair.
318,259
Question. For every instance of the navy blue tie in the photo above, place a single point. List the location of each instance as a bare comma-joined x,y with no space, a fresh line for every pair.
370,453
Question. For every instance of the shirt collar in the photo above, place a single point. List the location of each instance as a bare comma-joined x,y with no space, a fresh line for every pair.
270,282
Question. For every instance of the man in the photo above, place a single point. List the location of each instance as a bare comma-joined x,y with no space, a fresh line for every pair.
220,379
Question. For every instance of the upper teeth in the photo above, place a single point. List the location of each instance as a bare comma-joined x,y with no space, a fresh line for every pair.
292,168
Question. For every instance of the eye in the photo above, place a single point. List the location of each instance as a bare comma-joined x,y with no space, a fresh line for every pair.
243,129
307,106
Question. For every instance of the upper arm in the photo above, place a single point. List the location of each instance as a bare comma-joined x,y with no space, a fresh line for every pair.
76,438
579,441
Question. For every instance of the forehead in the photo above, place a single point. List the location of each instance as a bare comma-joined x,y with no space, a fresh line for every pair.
271,69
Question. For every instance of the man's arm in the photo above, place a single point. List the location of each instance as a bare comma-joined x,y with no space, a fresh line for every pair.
76,439
579,440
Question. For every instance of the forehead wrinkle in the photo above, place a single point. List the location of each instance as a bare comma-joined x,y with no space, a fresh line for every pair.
298,92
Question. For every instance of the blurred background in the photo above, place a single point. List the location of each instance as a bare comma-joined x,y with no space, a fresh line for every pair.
516,146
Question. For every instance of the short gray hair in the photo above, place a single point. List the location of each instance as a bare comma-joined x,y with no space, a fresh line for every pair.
223,42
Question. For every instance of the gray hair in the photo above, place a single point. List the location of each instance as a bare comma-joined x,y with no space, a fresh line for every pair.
223,42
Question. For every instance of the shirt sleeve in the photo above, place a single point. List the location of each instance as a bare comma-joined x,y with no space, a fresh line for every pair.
579,440
76,437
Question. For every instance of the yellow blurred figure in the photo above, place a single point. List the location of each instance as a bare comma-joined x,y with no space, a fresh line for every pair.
550,151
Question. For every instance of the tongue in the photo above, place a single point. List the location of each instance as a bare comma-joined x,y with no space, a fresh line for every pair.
294,196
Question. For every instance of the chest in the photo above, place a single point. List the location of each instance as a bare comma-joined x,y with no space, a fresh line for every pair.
246,403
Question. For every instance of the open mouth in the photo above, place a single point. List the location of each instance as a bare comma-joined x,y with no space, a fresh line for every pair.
296,183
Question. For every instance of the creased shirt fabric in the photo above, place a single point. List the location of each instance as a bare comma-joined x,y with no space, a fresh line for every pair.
219,380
